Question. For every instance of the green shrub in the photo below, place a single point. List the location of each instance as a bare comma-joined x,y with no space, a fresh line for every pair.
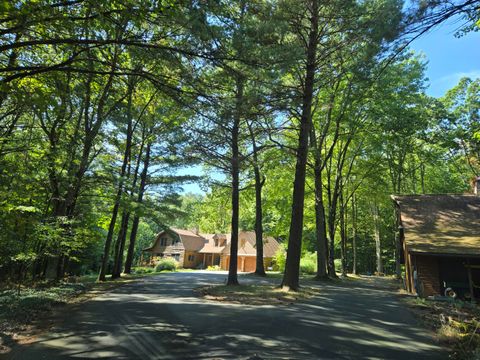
308,263
143,270
338,265
167,264
279,259
213,268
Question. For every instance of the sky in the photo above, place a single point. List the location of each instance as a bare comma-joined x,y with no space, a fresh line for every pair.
449,59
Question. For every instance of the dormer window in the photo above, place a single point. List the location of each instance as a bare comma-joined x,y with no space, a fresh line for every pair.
216,242
163,241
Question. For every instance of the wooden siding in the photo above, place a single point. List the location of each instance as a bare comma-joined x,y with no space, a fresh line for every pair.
408,271
244,263
192,264
428,275
173,248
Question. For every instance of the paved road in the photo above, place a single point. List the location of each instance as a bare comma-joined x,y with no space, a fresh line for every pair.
161,318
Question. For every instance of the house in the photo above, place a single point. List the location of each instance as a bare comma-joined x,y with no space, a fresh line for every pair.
440,238
194,250
217,250
181,245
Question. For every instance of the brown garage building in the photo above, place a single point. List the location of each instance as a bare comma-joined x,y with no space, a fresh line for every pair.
440,238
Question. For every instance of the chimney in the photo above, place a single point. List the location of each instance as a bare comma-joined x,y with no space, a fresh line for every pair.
476,185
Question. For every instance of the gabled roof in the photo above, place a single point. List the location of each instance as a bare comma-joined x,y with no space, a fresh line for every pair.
209,245
205,243
270,245
441,224
190,240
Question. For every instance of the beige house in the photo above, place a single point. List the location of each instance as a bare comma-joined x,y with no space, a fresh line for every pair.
195,250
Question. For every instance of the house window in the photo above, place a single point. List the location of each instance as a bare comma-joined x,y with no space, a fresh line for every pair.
191,258
163,241
176,257
216,242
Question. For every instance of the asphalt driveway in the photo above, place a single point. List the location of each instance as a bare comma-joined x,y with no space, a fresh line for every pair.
160,317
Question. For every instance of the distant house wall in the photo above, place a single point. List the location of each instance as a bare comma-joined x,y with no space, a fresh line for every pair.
168,246
224,261
244,263
192,259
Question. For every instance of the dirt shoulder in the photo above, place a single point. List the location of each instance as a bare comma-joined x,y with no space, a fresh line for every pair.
456,324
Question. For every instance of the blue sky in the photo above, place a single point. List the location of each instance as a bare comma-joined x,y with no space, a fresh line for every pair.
449,59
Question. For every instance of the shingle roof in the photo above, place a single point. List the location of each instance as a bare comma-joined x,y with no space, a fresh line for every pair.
204,243
190,240
209,247
441,224
270,245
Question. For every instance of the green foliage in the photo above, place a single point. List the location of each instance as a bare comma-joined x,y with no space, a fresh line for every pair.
167,264
338,265
143,270
65,163
25,306
213,268
280,258
308,263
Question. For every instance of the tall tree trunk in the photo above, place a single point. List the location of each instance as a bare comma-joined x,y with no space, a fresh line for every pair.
354,234
398,247
320,222
120,245
343,234
292,265
321,227
113,220
260,267
331,245
378,245
259,182
136,219
235,168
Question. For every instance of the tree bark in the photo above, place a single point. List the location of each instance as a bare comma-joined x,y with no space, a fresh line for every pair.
120,245
136,219
343,234
292,266
378,245
354,234
259,182
235,172
320,224
123,171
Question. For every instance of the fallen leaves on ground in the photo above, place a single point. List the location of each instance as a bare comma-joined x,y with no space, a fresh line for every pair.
255,294
455,323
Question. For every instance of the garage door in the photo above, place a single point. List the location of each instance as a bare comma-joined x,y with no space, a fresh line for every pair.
249,264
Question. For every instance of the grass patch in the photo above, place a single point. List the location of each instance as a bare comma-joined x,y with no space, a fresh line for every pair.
255,294
455,323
